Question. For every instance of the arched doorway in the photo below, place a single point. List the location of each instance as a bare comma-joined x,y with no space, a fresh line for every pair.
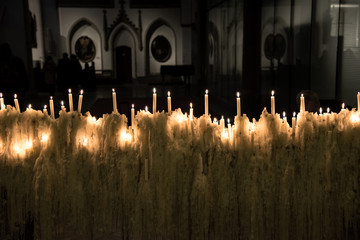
123,64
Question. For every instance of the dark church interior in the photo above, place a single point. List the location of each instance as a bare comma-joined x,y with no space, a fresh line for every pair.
184,47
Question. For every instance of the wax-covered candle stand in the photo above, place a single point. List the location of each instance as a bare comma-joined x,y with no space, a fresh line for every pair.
170,176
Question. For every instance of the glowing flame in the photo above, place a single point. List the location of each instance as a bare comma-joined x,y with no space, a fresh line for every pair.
238,94
206,92
113,90
81,92
354,118
294,114
343,105
320,110
15,96
44,137
168,93
125,136
69,90
272,93
85,142
154,90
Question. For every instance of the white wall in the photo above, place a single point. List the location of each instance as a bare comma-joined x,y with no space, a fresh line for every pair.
69,16
169,34
90,32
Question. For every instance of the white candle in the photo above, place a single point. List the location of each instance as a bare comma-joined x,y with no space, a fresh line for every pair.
71,106
206,102
302,103
114,101
238,106
328,110
272,102
132,115
146,109
2,102
284,117
80,100
343,106
215,121
229,127
169,102
154,100
52,112
45,110
16,103
358,101
62,106
191,111
222,122
293,124
29,107
320,111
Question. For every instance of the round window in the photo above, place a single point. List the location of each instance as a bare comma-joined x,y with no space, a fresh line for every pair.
85,49
161,49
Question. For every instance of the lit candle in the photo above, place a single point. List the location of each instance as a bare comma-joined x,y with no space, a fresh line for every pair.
29,107
343,106
52,112
284,117
114,101
62,106
2,102
206,102
191,111
45,110
146,109
293,124
302,103
358,101
215,121
272,102
80,100
132,115
320,111
154,100
16,103
328,110
169,102
238,106
229,126
222,122
71,106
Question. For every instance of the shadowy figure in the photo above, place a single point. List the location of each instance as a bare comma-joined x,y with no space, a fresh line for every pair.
64,72
13,76
49,71
75,70
312,102
38,77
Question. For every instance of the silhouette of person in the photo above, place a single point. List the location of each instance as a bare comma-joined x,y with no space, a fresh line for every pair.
64,72
75,71
49,71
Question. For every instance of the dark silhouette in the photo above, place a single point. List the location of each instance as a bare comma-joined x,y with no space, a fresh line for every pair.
13,76
312,102
75,71
38,77
64,72
49,71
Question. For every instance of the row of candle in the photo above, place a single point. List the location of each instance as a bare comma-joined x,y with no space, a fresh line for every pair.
154,108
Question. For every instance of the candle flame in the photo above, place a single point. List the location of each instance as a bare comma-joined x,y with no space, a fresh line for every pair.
343,105
191,105
222,117
228,120
238,94
81,92
62,103
168,93
154,90
113,90
215,120
146,108
132,105
45,106
328,110
284,114
302,95
272,93
15,96
206,91
69,90
51,97
30,106
294,114
0,95
321,110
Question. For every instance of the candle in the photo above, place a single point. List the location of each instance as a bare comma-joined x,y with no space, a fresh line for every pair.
114,101
146,109
71,106
206,102
358,101
238,106
343,106
215,121
154,100
169,102
29,107
80,100
284,118
52,107
229,127
293,124
62,106
328,110
2,102
272,102
16,103
320,111
222,122
191,111
302,103
45,110
132,115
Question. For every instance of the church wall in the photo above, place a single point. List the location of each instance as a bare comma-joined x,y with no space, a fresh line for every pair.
68,17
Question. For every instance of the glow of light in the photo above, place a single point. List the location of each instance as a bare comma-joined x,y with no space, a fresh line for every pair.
238,94
146,108
154,90
215,121
206,92
30,106
328,110
85,142
132,105
302,95
294,114
343,106
191,105
168,93
1,95
81,92
45,106
69,90
113,90
320,110
15,96
354,118
125,136
272,93
284,114
62,103
44,137
51,97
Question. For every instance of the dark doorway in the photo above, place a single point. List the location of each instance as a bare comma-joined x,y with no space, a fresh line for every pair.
123,64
